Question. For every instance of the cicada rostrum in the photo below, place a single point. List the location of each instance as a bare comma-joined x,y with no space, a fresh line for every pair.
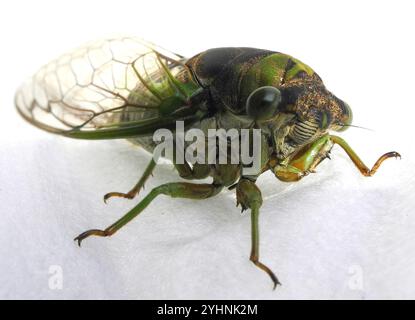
127,88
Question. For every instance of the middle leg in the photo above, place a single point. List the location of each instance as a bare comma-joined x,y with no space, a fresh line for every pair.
249,196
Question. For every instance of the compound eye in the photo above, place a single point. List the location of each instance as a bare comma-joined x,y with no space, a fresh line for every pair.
347,117
262,104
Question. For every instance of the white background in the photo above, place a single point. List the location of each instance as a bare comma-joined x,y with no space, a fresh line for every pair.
333,235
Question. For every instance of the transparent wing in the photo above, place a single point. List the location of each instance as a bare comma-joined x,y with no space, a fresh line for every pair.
107,84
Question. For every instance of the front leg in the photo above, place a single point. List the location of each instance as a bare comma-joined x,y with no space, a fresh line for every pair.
304,161
359,163
249,196
312,155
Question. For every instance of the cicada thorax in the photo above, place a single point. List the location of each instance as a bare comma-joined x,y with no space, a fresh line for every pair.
232,74
220,70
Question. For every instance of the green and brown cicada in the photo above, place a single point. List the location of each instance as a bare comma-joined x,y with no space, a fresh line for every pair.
127,88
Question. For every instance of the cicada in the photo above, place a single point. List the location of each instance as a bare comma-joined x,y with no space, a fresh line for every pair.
125,88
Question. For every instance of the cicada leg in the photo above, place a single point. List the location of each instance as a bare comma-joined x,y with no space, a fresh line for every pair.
307,160
359,163
196,172
199,171
136,189
174,190
249,196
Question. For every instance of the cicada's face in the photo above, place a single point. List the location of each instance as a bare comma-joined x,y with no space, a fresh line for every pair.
310,115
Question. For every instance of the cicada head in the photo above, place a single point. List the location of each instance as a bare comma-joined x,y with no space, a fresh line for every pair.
312,111
317,105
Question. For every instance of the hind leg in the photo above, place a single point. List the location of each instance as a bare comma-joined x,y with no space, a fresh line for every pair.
174,190
136,189
198,171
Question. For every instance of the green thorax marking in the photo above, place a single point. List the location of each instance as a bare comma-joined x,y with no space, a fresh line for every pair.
297,67
275,70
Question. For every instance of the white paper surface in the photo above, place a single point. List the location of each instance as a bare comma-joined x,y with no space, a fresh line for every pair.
335,234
